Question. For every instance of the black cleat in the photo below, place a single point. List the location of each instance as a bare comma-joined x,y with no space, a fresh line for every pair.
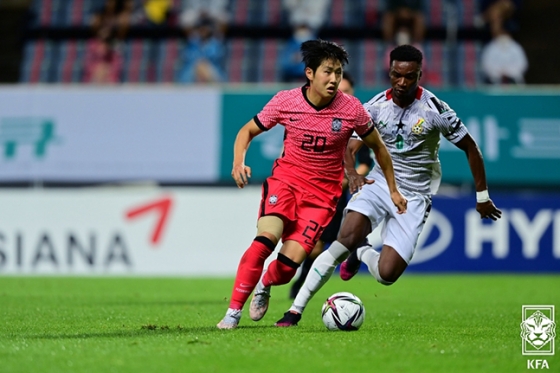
290,318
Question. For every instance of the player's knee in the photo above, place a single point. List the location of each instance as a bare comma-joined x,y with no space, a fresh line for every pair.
388,274
354,230
282,270
267,240
350,239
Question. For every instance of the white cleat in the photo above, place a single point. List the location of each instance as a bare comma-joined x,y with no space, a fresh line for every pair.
230,320
259,304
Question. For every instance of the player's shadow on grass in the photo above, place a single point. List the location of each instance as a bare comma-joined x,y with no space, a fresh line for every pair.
182,302
143,332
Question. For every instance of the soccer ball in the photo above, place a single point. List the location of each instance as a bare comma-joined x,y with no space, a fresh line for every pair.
343,311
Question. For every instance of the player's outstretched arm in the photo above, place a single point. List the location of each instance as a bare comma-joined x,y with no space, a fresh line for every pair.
374,141
484,204
355,178
240,172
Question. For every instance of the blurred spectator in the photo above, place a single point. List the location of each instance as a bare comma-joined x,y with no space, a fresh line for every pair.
103,60
402,15
291,64
114,15
215,10
402,37
153,12
312,13
503,61
500,15
203,54
306,18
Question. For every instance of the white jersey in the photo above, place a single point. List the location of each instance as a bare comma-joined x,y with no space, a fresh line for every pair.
412,136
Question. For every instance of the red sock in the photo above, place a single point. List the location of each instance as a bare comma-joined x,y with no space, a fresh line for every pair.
250,270
280,271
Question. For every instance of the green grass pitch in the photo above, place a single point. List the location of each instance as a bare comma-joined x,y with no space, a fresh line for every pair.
424,323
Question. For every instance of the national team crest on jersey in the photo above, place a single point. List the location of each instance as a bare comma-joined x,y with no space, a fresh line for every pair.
418,128
336,124
273,199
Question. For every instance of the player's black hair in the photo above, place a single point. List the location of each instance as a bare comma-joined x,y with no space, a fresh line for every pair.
314,52
348,76
406,53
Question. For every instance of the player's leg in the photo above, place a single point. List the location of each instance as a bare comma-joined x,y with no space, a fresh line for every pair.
279,272
306,266
353,236
353,231
400,234
269,231
386,266
355,228
299,239
365,211
277,207
320,273
328,236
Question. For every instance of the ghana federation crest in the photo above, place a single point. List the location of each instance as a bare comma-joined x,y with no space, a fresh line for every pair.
418,128
336,124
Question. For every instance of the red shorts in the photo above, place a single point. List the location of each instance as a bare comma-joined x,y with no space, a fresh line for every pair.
305,215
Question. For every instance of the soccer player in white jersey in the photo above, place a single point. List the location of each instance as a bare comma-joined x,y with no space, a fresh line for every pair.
410,120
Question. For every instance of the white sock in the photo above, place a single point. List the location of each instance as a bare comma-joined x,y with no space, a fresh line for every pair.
360,251
371,257
319,274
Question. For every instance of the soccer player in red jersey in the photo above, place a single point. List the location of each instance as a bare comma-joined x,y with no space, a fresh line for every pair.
300,197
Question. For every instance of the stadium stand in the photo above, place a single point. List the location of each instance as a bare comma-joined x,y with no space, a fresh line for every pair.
257,32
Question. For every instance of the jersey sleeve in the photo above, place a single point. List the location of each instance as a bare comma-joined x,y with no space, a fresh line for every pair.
448,123
270,113
371,112
363,123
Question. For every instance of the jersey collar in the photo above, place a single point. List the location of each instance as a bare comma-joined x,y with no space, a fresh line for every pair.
318,108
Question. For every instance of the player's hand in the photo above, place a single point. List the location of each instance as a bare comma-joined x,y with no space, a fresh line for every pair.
487,210
357,181
241,175
399,201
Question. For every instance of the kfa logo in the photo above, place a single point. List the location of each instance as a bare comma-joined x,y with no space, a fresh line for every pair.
537,364
273,199
336,124
538,330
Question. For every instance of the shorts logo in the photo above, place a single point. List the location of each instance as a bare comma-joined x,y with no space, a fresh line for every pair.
336,124
417,129
273,199
538,330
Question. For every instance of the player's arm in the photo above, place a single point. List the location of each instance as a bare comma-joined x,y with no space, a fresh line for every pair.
240,172
484,204
355,178
374,141
364,164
